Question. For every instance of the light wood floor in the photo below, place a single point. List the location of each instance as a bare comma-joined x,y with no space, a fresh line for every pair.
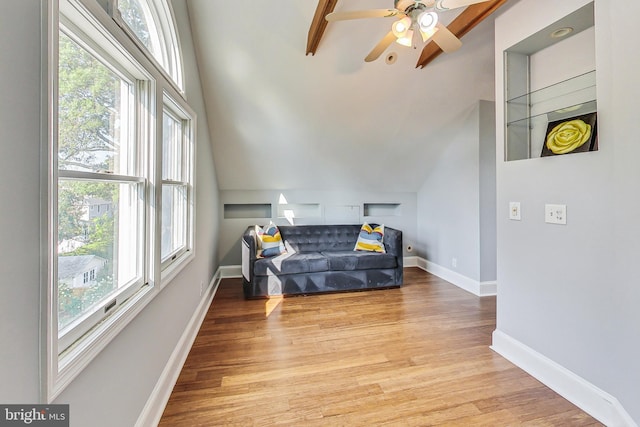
413,356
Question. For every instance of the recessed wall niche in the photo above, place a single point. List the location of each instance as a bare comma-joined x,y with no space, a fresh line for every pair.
247,210
381,209
550,77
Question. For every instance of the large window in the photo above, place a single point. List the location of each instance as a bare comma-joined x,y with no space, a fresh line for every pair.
176,182
101,189
121,189
151,23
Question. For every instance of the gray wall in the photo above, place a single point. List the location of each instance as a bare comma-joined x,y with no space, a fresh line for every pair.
571,292
618,100
487,162
20,195
113,389
456,204
333,207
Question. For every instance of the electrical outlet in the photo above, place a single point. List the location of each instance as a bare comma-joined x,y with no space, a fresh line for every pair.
555,214
514,211
454,262
201,287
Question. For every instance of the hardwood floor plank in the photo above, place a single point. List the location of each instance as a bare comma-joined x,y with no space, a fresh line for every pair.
414,356
290,372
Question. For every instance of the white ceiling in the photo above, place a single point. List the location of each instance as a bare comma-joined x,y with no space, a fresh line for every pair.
281,120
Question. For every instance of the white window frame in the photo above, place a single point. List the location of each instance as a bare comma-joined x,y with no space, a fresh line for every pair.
79,327
103,32
180,110
162,16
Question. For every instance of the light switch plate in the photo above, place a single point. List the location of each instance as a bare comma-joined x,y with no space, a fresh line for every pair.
514,211
555,214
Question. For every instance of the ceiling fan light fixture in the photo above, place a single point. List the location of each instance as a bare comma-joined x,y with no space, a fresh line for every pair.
401,27
426,35
427,21
441,7
406,40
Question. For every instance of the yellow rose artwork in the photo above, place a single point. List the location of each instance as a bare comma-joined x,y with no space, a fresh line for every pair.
567,136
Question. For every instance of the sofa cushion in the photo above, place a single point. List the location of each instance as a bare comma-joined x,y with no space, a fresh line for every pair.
318,238
291,263
359,260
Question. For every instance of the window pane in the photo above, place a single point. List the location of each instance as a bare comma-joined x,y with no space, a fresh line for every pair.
172,148
98,244
139,19
174,219
152,24
94,105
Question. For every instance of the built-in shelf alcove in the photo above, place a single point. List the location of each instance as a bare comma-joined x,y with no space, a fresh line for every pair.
541,89
247,210
382,209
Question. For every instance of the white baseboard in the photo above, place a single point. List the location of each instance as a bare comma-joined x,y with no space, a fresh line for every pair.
410,261
594,401
488,288
481,289
153,409
230,271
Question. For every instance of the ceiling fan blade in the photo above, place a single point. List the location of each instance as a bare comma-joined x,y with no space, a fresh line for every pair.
454,4
380,47
359,14
447,41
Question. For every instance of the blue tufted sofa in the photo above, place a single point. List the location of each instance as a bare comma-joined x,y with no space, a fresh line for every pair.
320,258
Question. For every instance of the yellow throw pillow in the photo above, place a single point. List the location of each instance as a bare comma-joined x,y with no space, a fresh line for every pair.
269,241
370,239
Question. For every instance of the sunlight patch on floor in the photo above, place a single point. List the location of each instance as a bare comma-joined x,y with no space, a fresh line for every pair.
271,304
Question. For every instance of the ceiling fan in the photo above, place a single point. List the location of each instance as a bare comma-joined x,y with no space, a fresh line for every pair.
415,17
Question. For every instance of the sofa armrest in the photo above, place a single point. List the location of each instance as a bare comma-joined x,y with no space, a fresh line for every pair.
249,251
393,241
393,245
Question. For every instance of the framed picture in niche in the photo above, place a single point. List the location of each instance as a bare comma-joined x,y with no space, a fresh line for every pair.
572,135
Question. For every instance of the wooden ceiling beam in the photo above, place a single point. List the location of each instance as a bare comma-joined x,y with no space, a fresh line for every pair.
460,26
319,24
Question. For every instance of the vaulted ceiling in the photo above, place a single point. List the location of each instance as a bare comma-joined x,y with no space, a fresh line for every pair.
461,25
282,119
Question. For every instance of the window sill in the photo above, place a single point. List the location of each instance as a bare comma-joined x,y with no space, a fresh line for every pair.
172,270
68,365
